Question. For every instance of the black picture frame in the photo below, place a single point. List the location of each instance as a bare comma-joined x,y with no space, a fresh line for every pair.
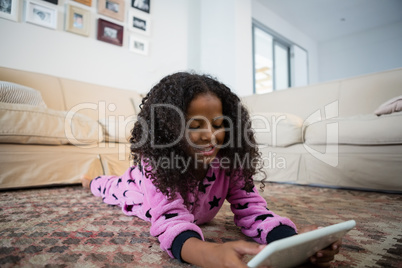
56,2
143,5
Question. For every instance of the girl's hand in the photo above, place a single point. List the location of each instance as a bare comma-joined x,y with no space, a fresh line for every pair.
229,254
323,258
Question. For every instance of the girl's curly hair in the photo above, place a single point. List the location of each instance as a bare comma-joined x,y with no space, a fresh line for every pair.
162,120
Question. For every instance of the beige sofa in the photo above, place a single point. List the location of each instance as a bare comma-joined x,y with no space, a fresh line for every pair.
83,130
324,134
327,134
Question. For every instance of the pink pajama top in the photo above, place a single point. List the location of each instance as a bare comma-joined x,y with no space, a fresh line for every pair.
173,223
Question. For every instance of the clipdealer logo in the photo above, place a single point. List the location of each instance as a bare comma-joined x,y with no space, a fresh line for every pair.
331,154
118,126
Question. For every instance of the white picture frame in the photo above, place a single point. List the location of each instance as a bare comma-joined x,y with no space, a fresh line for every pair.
9,9
41,14
139,23
138,45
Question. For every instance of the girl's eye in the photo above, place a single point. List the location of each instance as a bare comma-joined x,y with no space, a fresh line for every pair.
194,127
217,126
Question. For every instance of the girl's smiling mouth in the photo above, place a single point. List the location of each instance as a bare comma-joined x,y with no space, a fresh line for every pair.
206,151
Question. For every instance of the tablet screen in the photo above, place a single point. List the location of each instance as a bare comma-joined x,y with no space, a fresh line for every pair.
295,250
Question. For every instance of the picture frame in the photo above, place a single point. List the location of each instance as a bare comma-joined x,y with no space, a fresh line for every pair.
41,14
110,32
138,45
139,24
78,20
143,5
9,9
55,2
112,8
85,2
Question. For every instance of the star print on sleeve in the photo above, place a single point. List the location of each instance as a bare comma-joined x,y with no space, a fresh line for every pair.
170,215
212,178
263,217
148,214
202,187
240,206
214,203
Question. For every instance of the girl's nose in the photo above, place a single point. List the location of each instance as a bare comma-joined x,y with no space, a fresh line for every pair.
209,136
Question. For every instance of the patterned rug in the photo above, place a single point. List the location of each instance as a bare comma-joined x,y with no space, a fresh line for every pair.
68,227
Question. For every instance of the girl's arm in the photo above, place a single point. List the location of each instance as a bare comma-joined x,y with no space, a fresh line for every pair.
254,218
256,221
207,254
230,254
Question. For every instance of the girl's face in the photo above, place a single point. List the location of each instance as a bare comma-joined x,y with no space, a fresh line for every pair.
205,132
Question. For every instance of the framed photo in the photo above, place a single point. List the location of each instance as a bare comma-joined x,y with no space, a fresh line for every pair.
138,45
139,24
112,8
56,2
78,20
143,5
9,9
41,14
85,2
110,32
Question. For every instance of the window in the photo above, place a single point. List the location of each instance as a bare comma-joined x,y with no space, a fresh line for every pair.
278,63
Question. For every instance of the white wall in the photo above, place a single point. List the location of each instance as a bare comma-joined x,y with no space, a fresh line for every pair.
370,51
57,52
194,34
204,35
226,43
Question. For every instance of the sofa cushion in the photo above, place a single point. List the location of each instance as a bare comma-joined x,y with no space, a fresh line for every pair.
27,124
277,129
359,130
117,129
15,93
96,101
389,107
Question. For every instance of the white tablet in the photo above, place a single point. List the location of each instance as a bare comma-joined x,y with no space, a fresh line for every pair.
295,250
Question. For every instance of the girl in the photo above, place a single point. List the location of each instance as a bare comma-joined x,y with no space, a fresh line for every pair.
193,147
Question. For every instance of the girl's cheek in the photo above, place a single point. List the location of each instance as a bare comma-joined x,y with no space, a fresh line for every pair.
192,136
220,136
